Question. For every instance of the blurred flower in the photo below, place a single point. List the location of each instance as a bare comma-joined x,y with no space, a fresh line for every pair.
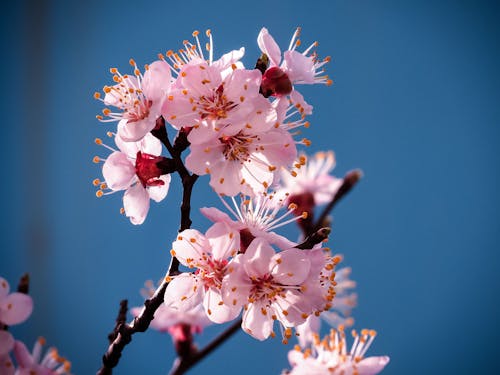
6,345
15,307
32,363
139,97
330,356
140,170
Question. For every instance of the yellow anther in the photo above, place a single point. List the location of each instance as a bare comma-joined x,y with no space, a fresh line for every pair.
132,62
97,95
99,193
208,32
96,159
98,141
96,182
113,70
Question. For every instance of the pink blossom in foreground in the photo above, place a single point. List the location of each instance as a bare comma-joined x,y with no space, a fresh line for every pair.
33,363
138,97
137,168
270,286
340,310
166,319
310,184
331,356
15,307
209,255
294,68
257,217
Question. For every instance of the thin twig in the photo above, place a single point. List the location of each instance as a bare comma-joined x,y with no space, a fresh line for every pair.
350,180
183,364
120,319
319,236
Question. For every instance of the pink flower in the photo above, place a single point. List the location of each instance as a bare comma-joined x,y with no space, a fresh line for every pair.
15,307
340,310
330,356
270,286
310,184
167,319
209,255
256,217
138,97
138,169
32,363
296,67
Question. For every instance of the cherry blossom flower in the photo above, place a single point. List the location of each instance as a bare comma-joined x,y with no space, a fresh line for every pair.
294,68
167,319
210,255
15,307
33,363
137,168
139,98
330,356
310,184
270,286
255,217
340,310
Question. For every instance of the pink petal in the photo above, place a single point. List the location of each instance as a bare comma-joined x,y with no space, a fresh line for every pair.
190,246
215,215
225,177
224,241
268,46
157,80
256,173
177,110
184,292
372,365
297,98
216,310
307,329
136,203
242,84
203,157
236,284
200,79
295,304
275,239
134,131
15,308
6,343
292,267
299,67
158,193
263,116
255,323
229,58
204,131
118,171
257,258
22,355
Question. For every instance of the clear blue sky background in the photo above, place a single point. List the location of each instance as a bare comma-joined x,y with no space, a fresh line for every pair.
415,105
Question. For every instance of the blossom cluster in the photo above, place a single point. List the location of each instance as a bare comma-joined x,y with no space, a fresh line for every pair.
240,127
15,308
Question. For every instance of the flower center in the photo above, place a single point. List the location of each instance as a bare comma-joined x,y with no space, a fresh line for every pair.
212,273
264,288
236,147
216,106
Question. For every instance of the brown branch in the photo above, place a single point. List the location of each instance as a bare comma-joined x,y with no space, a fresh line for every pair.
124,331
319,236
120,319
181,365
350,180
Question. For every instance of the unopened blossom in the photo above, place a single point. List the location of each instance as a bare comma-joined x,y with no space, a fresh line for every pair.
292,68
339,312
33,363
310,184
269,286
15,307
210,257
138,98
257,217
331,356
168,319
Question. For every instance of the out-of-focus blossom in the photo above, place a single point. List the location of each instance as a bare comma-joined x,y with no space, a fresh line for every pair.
256,217
15,307
138,97
331,356
137,168
270,286
6,345
310,183
294,68
33,363
166,319
340,310
210,255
